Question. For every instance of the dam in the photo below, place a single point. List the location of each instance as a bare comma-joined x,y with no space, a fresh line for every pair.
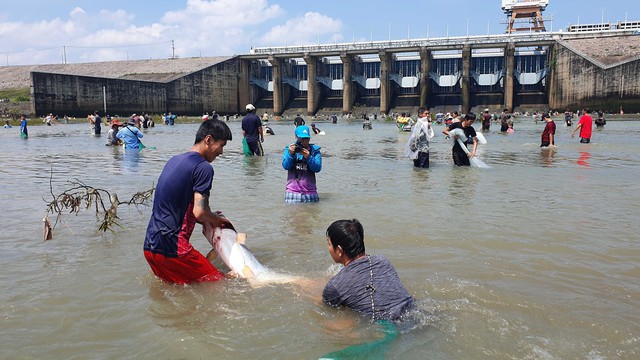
518,71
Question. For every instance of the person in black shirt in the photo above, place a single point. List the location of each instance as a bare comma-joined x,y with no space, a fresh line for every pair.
298,120
460,157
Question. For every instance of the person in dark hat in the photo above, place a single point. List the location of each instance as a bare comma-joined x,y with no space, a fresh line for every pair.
130,135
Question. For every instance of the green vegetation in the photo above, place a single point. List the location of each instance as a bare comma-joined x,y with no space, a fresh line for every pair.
16,95
14,102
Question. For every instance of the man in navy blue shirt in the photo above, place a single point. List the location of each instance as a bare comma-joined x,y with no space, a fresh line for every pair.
181,200
252,131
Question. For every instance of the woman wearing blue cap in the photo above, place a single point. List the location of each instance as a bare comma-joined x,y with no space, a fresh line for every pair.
302,161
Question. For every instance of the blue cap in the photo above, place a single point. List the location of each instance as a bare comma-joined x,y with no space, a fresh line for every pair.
302,131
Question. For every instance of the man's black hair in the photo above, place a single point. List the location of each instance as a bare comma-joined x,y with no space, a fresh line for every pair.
349,235
218,129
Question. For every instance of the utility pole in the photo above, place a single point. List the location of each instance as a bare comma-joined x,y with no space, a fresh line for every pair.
173,50
104,100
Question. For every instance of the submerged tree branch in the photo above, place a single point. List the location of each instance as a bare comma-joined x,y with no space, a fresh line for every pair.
82,196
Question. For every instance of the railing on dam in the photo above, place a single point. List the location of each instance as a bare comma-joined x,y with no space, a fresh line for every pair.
478,41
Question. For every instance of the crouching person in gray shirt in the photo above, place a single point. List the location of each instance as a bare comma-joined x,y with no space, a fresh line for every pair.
367,284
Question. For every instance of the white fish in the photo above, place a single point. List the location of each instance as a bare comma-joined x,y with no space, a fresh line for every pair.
475,161
234,253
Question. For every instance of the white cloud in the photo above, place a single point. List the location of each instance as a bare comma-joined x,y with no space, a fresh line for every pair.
201,28
307,29
117,19
221,27
223,13
77,12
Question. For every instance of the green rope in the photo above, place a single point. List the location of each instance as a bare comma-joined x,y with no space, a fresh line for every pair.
372,350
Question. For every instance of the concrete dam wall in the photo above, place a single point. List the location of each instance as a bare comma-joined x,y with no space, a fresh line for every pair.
579,79
214,87
596,71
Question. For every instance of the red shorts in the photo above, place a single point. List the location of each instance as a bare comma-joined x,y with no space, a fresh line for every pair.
185,269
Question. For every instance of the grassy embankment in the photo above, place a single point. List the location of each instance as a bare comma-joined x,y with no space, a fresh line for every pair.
15,102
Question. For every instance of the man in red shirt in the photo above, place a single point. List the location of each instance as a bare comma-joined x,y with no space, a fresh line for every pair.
585,125
549,132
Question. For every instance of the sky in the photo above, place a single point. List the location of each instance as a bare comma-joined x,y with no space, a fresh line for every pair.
77,31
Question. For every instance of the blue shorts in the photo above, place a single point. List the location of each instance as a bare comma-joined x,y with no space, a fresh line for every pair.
294,198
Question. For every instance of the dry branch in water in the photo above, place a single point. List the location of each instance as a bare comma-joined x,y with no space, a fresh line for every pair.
82,196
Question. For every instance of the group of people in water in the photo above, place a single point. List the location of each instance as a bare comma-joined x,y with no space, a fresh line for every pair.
417,147
367,283
301,159
126,134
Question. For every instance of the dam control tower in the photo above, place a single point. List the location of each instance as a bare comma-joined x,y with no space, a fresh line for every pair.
524,15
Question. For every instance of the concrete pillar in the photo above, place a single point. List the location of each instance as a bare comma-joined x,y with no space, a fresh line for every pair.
509,66
425,66
465,81
313,93
347,86
385,84
244,89
278,85
550,80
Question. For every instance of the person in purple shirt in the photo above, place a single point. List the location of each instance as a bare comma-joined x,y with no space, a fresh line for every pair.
302,161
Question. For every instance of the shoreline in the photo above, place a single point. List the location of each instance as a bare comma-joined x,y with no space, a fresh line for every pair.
194,119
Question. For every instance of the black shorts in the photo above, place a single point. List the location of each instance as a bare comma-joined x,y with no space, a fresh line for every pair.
545,143
422,161
460,157
585,140
256,148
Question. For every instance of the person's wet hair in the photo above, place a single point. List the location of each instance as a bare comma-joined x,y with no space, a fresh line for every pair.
218,129
349,235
